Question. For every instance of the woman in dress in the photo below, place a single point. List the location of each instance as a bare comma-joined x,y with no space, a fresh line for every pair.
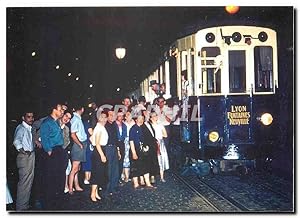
139,165
162,155
129,122
99,139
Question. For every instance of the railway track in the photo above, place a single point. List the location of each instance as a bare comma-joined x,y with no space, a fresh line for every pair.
230,194
216,200
279,187
259,189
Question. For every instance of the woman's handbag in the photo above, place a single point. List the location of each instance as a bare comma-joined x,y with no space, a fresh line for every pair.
144,149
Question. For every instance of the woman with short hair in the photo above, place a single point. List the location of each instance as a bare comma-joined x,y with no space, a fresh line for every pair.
99,139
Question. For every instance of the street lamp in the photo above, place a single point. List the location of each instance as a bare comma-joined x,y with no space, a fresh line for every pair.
120,52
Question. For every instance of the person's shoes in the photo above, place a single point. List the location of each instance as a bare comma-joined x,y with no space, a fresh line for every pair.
86,182
151,187
66,190
152,180
162,180
137,188
94,200
79,189
72,192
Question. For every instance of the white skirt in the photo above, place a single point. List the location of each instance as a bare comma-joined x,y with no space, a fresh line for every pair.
163,159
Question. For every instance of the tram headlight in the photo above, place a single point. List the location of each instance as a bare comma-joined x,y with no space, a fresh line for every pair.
262,36
236,37
266,119
213,136
210,37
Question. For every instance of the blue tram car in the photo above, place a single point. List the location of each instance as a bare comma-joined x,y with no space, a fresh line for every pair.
226,78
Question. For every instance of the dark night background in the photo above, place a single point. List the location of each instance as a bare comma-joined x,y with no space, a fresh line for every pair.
83,41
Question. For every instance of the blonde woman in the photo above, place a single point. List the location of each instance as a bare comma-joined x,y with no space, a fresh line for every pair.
99,139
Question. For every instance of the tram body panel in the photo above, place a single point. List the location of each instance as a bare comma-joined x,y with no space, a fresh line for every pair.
230,73
234,120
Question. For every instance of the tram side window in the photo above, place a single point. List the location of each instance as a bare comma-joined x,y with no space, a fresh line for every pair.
211,70
263,60
237,71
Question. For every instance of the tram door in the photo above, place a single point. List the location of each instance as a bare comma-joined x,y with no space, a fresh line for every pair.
238,107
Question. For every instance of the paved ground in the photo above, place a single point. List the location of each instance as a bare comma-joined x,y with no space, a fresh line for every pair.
213,193
172,196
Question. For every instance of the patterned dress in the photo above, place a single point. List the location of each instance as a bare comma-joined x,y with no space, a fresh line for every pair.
126,163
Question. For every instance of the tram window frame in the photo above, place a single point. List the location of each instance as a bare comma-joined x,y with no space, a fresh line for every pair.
263,68
237,71
211,79
192,63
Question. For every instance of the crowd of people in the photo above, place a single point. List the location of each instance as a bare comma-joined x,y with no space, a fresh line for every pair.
133,144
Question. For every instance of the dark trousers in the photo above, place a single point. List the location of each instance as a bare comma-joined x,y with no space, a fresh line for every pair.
54,176
112,168
177,152
121,145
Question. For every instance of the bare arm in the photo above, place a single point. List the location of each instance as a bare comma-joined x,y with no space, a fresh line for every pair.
76,140
164,132
133,151
99,149
90,130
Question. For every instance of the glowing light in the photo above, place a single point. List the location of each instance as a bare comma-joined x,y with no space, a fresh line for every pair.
69,74
33,54
90,105
120,53
118,89
266,119
57,67
213,136
91,85
77,78
232,9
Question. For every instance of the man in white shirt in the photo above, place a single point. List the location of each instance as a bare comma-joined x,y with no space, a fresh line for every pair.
25,160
